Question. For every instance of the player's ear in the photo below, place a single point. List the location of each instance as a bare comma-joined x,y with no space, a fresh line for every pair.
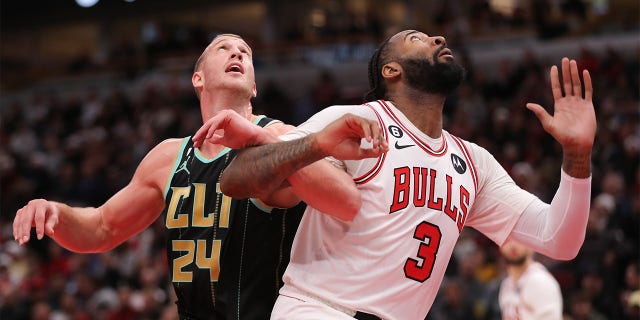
197,80
255,91
391,70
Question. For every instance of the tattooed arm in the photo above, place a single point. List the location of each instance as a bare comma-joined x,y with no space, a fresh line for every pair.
258,171
320,184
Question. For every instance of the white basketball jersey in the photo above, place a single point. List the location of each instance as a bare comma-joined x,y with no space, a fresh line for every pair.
536,295
391,258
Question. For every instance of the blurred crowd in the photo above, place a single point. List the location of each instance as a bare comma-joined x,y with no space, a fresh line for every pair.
81,145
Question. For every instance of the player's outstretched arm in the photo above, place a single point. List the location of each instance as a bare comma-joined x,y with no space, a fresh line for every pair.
258,171
573,123
100,229
558,229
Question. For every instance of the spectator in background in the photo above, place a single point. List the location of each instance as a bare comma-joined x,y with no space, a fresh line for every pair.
54,111
529,291
581,308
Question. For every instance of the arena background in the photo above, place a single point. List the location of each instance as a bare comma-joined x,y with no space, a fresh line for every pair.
86,92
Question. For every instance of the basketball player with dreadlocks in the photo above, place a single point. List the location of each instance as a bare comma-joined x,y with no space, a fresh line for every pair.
389,260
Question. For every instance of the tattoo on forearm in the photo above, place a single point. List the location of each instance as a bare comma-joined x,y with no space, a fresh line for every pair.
264,168
577,163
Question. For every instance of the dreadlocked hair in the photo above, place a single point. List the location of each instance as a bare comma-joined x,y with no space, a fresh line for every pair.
377,87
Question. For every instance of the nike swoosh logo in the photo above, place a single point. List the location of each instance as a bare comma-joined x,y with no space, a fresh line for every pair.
398,146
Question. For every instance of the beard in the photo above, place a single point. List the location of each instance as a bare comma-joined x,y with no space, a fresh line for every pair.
515,261
437,77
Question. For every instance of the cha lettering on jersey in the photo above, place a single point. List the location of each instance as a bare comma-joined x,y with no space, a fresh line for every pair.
420,187
198,217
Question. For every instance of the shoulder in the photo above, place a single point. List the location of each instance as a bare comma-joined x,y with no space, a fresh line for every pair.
334,112
476,151
484,162
168,148
539,273
161,157
278,127
363,110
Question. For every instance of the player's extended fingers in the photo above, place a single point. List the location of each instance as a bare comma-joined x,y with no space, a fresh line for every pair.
198,137
588,86
566,77
370,152
39,219
17,231
50,224
542,114
575,79
22,224
367,130
556,88
376,134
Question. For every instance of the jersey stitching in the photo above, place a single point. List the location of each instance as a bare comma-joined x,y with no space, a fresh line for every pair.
216,223
244,234
281,251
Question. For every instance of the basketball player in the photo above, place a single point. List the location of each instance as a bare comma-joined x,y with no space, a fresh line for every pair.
529,291
389,260
226,256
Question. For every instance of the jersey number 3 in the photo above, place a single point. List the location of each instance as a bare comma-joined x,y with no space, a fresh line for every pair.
429,236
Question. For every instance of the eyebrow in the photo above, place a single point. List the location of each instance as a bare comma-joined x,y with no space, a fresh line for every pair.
409,33
222,41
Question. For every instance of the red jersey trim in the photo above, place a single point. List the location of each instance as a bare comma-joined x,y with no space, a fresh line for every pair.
378,166
467,155
437,153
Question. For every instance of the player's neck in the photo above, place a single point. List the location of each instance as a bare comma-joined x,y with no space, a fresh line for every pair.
210,150
423,110
210,107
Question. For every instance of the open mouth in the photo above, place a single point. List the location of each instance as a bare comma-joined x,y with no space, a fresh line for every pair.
234,67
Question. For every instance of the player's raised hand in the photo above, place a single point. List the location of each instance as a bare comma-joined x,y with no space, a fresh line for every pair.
573,123
229,128
342,138
39,213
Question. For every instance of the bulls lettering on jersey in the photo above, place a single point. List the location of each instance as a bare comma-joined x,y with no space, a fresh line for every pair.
417,185
416,200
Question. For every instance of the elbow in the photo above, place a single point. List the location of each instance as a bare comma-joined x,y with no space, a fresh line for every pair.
352,207
564,256
567,250
230,190
104,248
230,187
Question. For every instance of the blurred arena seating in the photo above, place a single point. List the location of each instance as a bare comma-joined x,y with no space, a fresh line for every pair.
86,92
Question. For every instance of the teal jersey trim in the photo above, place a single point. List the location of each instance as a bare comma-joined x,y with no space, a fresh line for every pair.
260,205
175,165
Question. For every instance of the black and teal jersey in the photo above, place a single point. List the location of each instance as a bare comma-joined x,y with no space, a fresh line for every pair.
226,256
